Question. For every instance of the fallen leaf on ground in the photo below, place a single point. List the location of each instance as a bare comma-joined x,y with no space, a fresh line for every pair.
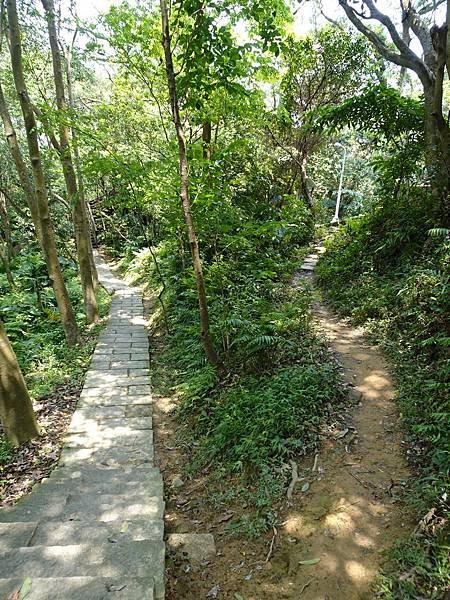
213,592
310,561
342,433
225,517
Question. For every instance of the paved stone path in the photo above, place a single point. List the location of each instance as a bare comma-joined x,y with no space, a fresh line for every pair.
94,529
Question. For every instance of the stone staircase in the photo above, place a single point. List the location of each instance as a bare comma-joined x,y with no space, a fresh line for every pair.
310,261
94,529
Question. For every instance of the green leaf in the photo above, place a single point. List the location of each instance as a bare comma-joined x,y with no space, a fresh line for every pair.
311,561
25,588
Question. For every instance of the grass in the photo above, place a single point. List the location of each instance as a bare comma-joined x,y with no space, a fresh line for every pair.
5,451
281,380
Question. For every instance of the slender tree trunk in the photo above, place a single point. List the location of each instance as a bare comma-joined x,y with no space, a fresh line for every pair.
6,227
79,173
21,168
80,220
6,250
437,153
304,182
208,345
47,234
16,409
5,258
206,139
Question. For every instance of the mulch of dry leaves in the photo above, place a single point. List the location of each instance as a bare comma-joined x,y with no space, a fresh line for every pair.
34,460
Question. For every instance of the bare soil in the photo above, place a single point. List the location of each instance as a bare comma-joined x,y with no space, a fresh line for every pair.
351,511
31,462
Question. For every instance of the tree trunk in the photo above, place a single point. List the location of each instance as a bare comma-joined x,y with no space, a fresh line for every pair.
47,234
5,257
437,154
16,409
79,173
6,251
21,168
206,139
304,182
208,345
6,227
80,220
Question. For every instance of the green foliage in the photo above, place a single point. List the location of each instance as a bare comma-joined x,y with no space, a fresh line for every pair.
32,322
5,451
323,69
263,418
281,383
380,110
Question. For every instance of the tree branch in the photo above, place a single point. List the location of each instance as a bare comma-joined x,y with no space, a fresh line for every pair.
406,58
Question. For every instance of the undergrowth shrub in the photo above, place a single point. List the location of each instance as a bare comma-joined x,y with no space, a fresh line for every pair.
32,321
281,380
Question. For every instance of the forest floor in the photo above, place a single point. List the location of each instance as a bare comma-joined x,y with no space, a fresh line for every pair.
328,539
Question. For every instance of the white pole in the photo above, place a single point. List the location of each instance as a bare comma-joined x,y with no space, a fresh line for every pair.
335,219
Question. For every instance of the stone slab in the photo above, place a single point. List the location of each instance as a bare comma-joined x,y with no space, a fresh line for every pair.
117,400
100,507
60,487
104,413
194,547
57,533
14,535
113,438
136,559
80,588
104,474
113,457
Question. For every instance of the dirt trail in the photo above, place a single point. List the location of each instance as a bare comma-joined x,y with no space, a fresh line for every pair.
353,510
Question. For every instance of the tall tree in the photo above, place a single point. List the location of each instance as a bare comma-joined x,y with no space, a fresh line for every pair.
5,240
37,197
16,409
322,69
78,169
429,67
78,205
208,345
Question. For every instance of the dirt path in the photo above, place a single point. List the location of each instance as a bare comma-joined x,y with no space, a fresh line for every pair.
350,512
353,510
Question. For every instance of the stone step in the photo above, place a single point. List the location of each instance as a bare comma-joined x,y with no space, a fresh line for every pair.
114,399
141,389
136,559
57,533
109,438
14,535
79,588
104,413
135,490
90,425
109,380
101,507
73,486
104,474
114,457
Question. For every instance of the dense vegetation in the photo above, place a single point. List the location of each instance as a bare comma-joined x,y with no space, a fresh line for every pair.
259,132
